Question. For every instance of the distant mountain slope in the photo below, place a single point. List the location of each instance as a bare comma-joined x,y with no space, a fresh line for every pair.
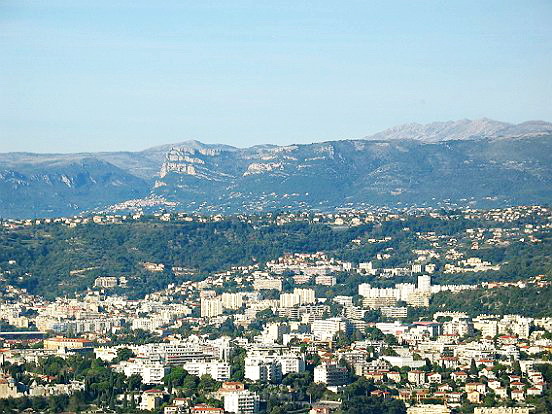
53,186
359,172
462,130
480,163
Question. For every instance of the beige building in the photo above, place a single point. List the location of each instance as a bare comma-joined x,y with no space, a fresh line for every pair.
379,302
8,389
428,409
260,284
68,343
418,298
105,282
151,399
501,410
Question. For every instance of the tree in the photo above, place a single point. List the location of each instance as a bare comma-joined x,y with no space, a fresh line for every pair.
175,377
315,391
516,367
124,354
134,382
473,368
208,384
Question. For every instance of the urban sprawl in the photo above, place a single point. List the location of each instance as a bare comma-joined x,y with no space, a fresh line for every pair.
305,330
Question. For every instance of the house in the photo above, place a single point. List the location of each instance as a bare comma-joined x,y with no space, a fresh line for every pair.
428,409
476,386
205,409
486,372
518,385
518,395
475,397
380,394
151,399
416,377
454,397
508,339
319,410
66,343
376,376
434,378
8,388
534,391
393,376
440,395
535,376
488,363
228,386
501,392
494,384
459,376
181,402
539,385
173,409
421,394
514,378
449,362
405,395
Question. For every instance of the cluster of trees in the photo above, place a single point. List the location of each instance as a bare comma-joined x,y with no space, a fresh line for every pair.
101,384
182,384
529,301
357,399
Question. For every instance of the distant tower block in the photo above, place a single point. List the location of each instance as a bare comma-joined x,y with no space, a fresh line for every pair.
424,282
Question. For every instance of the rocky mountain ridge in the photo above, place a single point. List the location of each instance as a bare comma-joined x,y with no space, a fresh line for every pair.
479,163
464,129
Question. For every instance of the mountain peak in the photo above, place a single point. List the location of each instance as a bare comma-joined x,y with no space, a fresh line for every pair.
442,131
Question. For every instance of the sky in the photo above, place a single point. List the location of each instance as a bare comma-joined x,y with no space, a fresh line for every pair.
127,75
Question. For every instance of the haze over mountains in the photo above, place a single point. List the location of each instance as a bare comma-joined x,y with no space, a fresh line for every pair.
481,163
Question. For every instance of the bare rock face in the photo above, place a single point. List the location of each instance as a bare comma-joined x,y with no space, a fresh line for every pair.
181,161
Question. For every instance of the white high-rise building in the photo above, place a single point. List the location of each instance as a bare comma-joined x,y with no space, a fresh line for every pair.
241,402
364,288
258,369
218,370
405,289
330,374
232,300
273,332
324,330
288,300
298,297
211,307
306,296
424,283
151,372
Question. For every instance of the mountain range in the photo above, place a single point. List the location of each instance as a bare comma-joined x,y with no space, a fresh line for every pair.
479,163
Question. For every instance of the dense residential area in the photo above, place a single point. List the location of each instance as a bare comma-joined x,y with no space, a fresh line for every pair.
411,311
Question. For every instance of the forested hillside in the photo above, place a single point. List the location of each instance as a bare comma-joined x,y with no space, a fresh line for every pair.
55,259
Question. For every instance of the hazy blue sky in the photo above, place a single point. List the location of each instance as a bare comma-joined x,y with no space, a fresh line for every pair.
81,75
